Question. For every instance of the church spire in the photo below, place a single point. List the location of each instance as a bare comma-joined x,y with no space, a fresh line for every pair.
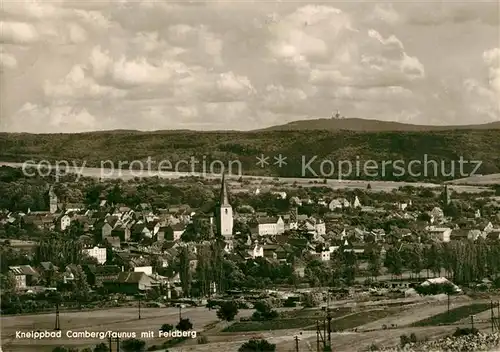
224,198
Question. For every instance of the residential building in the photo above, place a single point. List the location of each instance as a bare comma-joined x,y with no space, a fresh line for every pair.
270,226
441,234
98,253
25,276
130,283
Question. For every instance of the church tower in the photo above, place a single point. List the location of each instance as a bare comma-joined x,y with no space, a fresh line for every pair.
52,200
225,213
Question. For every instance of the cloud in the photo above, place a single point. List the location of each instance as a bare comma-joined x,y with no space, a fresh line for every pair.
340,55
384,13
450,12
37,119
233,65
7,61
492,60
77,85
18,33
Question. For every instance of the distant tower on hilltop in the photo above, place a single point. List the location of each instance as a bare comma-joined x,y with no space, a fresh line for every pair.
225,213
337,116
52,200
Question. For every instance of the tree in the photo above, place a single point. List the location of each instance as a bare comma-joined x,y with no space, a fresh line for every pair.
7,283
393,261
264,311
80,285
227,311
102,347
167,327
184,325
133,345
256,345
312,299
185,270
115,195
374,264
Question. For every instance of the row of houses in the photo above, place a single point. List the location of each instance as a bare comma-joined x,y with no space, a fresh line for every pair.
113,278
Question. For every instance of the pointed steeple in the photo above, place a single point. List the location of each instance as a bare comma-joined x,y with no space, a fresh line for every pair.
224,197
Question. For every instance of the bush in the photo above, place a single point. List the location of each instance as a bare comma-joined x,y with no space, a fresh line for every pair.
404,340
184,325
256,345
465,331
436,289
102,347
166,327
227,311
312,299
413,338
133,345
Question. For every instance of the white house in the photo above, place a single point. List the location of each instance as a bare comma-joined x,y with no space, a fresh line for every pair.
65,222
320,227
257,251
281,195
178,230
271,226
440,233
475,234
356,203
316,227
97,252
339,203
437,215
325,255
148,270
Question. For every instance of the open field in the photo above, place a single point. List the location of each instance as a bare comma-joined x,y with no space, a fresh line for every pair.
376,186
493,179
368,324
117,320
454,315
367,318
416,312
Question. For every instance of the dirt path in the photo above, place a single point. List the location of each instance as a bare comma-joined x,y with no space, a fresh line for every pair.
116,320
416,313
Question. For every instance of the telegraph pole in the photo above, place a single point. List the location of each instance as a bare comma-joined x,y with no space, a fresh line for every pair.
296,343
139,307
448,306
329,319
492,318
110,344
117,344
317,336
57,326
180,313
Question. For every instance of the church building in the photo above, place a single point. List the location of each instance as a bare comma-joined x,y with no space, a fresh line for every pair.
224,215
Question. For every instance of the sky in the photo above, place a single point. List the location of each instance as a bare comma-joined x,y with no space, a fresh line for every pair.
75,66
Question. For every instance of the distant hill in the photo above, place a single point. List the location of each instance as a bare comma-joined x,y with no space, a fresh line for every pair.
365,125
299,145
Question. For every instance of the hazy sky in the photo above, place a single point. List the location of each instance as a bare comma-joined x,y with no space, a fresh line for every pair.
72,66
